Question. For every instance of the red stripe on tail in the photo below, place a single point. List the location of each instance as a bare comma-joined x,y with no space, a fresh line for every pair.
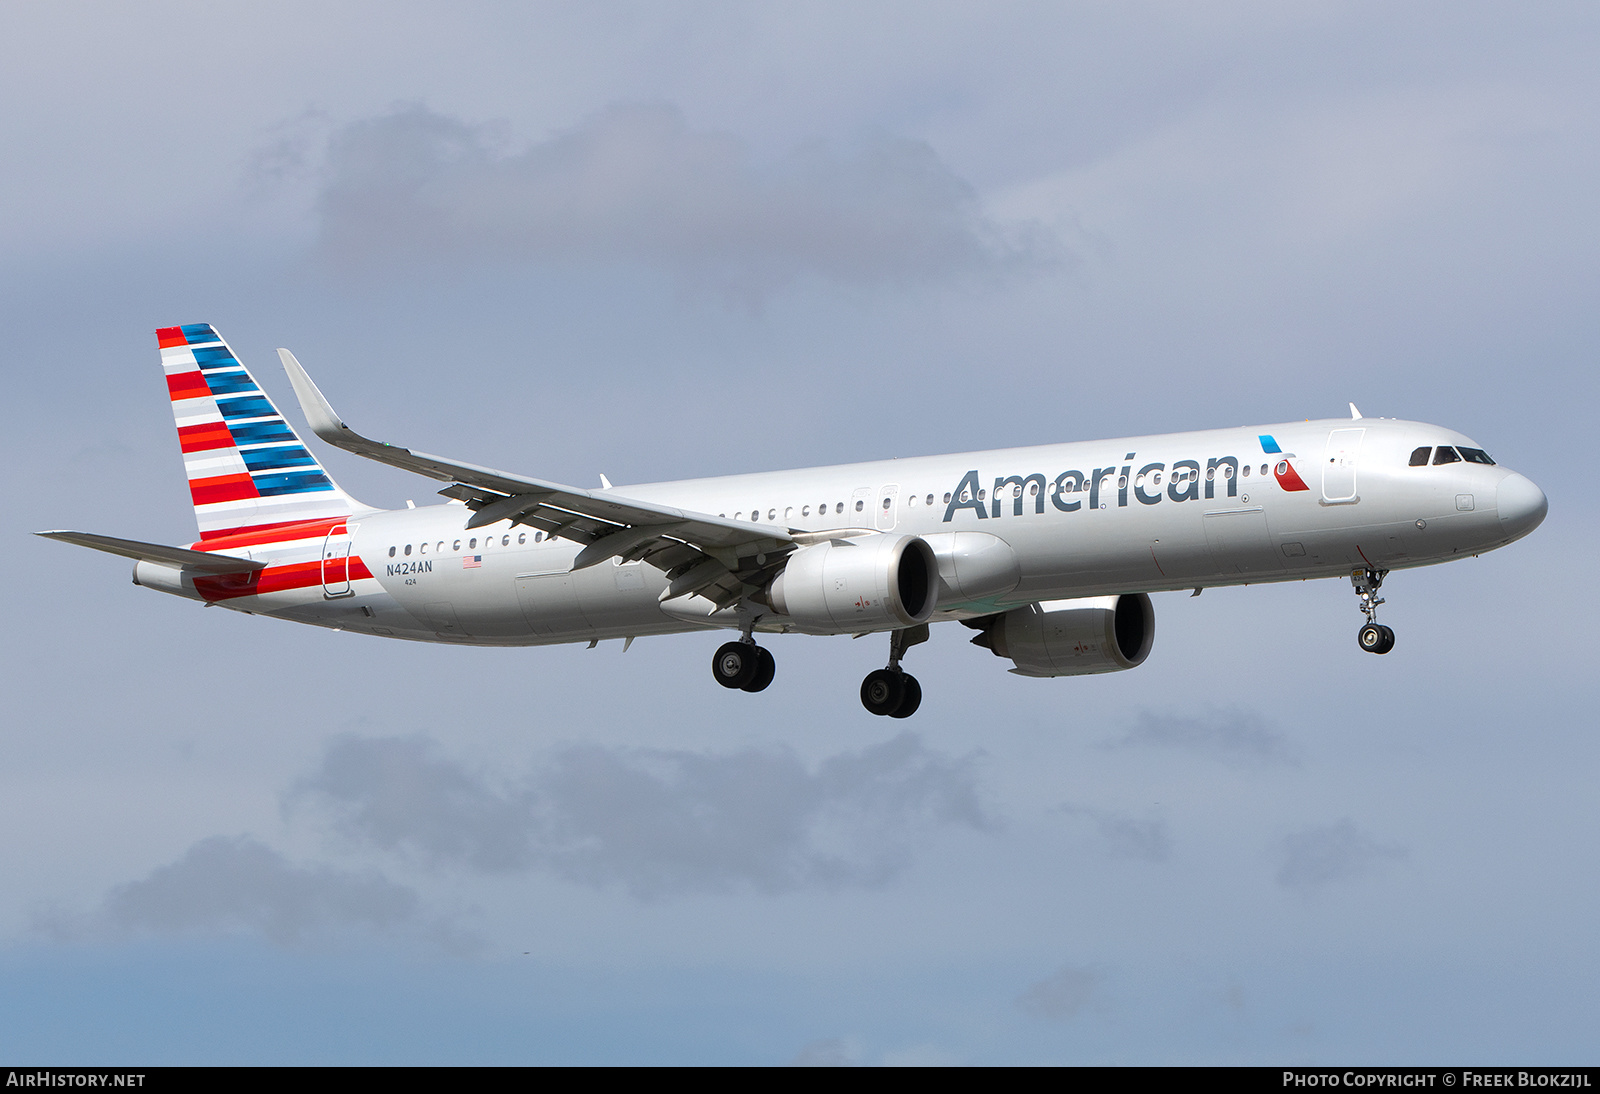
207,435
187,385
222,488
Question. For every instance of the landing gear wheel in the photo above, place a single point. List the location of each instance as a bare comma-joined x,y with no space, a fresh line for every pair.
1375,638
911,700
883,691
766,667
736,664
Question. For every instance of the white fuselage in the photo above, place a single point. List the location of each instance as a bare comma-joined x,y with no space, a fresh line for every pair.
1141,514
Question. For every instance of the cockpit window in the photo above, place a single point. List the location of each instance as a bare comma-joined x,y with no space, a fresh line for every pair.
1475,455
1445,454
1419,458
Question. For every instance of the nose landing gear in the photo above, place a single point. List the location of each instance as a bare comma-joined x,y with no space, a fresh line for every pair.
892,691
1373,637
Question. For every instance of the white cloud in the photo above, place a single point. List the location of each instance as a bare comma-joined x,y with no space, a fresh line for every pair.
237,884
1125,836
1064,995
1318,857
656,822
635,184
1233,736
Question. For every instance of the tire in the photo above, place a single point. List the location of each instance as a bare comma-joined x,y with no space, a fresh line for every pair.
882,691
1370,638
735,664
912,699
1388,640
766,668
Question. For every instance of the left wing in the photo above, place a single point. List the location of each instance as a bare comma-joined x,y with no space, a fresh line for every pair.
719,559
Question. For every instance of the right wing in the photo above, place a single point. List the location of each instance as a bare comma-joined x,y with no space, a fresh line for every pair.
719,559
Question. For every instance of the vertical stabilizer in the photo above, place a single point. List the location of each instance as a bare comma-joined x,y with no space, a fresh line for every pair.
248,471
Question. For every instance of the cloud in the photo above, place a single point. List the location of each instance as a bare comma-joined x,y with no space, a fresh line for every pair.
1063,996
1128,837
237,884
634,184
831,1052
655,822
1317,857
1233,736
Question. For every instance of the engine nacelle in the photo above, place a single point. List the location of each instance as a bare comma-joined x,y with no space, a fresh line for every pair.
863,584
1074,637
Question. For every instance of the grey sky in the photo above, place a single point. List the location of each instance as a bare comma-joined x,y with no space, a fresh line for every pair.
652,242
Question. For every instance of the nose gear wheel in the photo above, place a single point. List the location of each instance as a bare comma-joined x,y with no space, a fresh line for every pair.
1373,637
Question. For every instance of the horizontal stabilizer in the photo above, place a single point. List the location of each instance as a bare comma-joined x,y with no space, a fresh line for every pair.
201,561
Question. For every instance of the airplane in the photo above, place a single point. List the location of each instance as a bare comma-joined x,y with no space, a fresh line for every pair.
1048,552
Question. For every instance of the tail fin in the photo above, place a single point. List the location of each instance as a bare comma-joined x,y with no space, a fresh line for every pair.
248,471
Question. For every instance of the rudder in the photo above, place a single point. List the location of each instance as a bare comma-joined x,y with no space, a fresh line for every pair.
248,470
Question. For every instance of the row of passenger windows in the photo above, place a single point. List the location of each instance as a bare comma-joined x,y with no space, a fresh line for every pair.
472,544
913,500
1447,454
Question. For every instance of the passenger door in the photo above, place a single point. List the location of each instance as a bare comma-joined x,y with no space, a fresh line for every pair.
1339,466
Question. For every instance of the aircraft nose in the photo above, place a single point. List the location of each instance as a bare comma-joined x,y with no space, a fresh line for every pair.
1521,504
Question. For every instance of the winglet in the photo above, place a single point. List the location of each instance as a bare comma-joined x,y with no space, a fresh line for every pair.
1355,415
322,419
319,415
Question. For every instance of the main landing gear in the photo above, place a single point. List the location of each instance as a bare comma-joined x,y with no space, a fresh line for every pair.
1373,637
891,690
887,691
744,665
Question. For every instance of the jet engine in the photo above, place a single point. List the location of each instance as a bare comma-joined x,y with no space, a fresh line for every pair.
862,584
1073,637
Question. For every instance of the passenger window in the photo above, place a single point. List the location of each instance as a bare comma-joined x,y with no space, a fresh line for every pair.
538,537
422,548
1445,454
885,505
522,537
1419,457
947,499
456,546
1245,472
860,505
839,508
930,499
1475,455
505,541
391,552
408,548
